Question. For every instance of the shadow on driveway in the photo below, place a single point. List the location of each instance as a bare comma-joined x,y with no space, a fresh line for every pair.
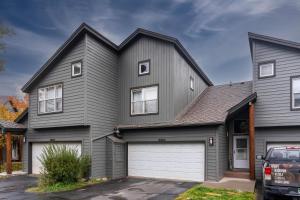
122,189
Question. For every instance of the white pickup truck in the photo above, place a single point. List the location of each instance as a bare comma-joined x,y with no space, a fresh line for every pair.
281,173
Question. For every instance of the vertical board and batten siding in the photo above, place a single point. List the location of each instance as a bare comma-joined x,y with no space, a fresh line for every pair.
263,136
161,55
101,98
183,95
73,92
199,134
222,142
273,107
74,134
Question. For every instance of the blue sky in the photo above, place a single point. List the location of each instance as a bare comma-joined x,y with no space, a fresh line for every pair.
214,32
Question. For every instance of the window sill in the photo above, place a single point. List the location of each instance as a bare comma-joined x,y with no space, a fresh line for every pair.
40,114
143,114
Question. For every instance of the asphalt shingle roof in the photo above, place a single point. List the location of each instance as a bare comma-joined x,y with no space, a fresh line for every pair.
213,105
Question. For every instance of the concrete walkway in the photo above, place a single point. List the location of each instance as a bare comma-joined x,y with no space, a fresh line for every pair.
244,185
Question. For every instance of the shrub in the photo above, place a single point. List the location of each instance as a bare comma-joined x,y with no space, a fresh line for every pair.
85,165
62,165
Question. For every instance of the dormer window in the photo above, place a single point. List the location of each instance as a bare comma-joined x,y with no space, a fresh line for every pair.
266,69
76,69
144,67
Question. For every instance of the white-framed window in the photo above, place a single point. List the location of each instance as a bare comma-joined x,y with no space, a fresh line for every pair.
144,100
266,69
295,84
76,68
50,99
144,67
192,83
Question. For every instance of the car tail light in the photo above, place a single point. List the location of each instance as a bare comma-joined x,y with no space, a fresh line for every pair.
268,172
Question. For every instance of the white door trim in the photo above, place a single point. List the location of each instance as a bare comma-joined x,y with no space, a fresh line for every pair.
238,163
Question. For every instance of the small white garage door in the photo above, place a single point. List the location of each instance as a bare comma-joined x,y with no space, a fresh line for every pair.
270,145
182,161
37,149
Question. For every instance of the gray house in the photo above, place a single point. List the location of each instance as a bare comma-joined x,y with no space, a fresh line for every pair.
146,109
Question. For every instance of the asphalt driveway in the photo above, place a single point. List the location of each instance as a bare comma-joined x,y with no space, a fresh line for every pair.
129,188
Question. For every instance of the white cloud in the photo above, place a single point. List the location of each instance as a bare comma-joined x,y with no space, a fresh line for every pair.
207,12
12,82
28,42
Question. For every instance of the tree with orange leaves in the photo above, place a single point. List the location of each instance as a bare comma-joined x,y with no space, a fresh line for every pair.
18,104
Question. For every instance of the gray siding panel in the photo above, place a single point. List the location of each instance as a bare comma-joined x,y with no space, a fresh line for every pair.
200,134
101,99
271,110
222,151
183,95
73,92
161,55
78,134
268,135
99,158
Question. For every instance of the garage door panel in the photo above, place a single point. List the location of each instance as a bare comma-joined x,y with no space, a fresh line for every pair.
37,149
169,160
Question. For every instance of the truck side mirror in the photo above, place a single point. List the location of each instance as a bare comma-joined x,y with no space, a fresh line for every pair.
260,157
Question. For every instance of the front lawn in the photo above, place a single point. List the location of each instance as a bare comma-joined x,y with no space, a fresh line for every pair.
61,187
199,192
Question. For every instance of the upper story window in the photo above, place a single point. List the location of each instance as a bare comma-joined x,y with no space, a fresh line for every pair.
144,100
266,69
192,83
76,69
144,67
50,99
295,90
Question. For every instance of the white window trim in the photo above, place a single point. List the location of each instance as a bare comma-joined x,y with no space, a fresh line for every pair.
73,65
131,100
139,69
45,99
292,91
265,63
192,83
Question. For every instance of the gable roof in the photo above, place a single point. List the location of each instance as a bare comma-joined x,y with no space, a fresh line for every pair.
84,28
288,43
211,107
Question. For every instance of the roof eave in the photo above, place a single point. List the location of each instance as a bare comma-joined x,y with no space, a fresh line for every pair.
234,109
170,125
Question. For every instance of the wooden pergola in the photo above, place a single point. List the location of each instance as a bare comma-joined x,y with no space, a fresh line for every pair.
8,129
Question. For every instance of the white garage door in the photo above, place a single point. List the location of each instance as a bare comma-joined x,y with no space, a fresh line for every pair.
37,149
270,145
183,161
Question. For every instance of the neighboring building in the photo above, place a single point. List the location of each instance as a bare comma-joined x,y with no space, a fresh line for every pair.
145,108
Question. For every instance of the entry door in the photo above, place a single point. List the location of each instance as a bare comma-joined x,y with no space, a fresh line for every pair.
241,152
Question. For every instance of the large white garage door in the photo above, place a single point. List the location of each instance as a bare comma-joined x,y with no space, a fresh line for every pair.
37,149
184,161
281,144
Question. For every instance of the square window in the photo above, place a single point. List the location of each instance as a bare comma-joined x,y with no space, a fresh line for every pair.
76,69
144,100
267,69
50,99
144,67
